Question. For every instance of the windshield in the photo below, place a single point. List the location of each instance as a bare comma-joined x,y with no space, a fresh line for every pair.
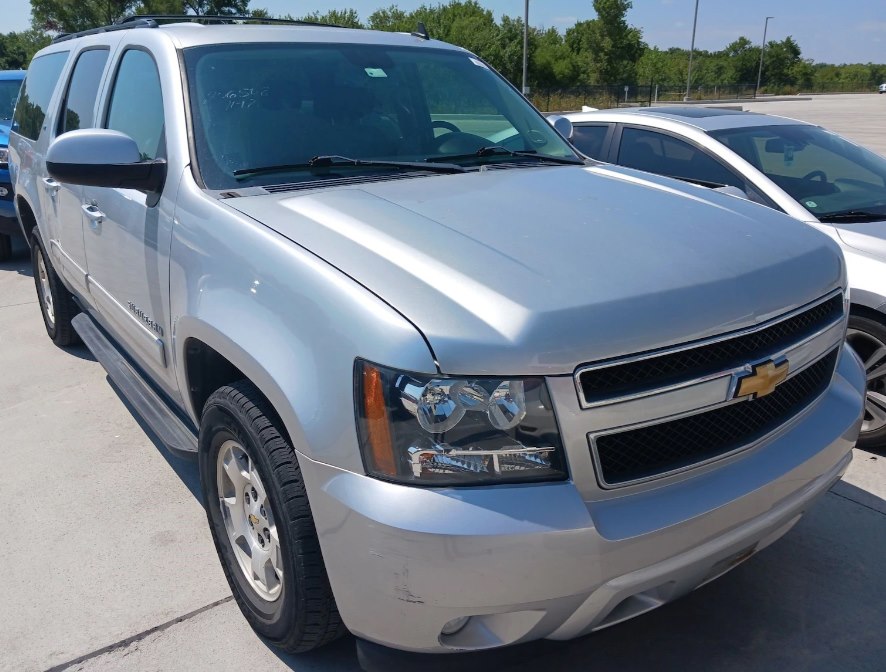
826,174
8,94
257,107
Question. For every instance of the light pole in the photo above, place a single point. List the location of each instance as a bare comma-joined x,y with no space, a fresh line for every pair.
526,48
691,49
762,49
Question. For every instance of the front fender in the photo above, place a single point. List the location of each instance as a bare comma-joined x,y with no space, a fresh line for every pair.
286,319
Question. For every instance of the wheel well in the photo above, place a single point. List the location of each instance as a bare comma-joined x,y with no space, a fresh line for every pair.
870,313
27,216
206,371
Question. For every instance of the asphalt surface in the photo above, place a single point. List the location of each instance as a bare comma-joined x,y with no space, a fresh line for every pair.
108,565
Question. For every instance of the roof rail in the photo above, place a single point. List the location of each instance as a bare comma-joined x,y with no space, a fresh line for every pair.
139,22
222,18
153,21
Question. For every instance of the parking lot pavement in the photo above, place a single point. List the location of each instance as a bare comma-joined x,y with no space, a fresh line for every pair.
860,117
108,563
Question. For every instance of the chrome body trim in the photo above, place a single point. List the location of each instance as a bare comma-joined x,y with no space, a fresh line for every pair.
691,346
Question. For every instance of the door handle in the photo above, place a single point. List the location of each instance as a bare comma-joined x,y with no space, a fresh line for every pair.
93,214
51,185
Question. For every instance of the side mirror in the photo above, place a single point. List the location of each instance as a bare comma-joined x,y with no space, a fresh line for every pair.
97,157
562,125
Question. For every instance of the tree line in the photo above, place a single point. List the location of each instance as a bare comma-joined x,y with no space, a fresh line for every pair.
604,52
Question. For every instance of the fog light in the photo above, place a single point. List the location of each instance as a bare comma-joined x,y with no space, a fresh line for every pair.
455,625
4,191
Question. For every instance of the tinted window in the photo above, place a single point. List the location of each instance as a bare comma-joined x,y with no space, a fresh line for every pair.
826,174
589,139
78,108
8,93
36,92
665,155
136,107
267,106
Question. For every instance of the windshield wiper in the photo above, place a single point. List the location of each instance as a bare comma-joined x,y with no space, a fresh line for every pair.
332,160
498,150
857,216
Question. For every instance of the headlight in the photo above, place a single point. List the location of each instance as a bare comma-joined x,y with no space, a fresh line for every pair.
432,430
4,155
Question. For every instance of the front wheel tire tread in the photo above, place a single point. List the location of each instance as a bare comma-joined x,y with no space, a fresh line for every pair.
313,618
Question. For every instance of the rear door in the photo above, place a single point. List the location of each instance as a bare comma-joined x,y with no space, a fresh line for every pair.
65,200
127,231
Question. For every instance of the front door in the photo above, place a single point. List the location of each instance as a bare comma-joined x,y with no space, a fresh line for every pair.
127,232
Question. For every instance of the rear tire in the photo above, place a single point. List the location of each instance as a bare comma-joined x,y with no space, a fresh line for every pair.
868,338
5,247
56,302
260,518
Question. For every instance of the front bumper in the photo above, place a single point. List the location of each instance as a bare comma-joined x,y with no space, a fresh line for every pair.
537,561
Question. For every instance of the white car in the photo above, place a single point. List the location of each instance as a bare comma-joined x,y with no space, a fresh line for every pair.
803,170
882,88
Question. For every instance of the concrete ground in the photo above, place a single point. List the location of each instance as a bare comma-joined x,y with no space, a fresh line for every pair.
108,563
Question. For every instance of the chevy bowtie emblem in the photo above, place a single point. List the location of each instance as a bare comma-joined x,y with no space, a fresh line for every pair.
764,379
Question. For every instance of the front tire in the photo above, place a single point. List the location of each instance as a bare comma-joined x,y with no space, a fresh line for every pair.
868,338
56,302
261,522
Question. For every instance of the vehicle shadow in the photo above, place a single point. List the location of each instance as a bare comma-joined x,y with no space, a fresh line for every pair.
20,262
185,469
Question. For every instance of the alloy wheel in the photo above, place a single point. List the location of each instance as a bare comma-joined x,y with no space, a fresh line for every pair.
248,520
873,353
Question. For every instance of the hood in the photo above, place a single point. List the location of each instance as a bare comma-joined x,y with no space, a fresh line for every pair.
868,237
537,270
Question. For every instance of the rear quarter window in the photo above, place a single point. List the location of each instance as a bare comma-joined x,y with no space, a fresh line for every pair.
40,82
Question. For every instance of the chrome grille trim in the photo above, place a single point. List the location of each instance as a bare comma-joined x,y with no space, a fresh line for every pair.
698,344
784,426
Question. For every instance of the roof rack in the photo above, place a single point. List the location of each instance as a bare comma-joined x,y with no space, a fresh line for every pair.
136,22
154,20
221,18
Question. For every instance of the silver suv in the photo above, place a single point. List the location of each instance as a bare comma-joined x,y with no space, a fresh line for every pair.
450,386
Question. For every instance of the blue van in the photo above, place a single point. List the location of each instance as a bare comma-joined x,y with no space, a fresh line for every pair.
10,83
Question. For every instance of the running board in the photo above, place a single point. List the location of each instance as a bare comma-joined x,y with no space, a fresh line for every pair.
177,437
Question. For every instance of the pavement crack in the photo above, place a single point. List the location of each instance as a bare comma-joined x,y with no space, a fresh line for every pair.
129,641
14,305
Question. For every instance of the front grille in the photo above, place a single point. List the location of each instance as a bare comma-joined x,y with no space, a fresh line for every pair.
658,449
619,380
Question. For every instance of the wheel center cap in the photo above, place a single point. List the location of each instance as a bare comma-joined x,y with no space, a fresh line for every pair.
253,519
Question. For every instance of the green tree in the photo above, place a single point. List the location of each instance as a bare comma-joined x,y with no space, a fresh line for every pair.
608,46
69,16
16,49
336,17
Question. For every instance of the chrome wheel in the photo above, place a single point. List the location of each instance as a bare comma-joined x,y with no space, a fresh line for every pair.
249,521
873,353
45,291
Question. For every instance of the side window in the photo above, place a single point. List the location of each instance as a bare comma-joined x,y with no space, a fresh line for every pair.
589,138
79,105
136,107
30,111
665,155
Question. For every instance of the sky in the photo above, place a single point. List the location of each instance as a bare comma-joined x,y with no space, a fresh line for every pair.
830,31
